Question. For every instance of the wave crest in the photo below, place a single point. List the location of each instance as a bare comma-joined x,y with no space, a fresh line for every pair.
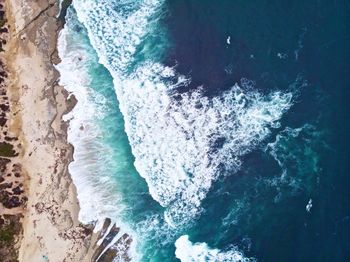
182,143
186,251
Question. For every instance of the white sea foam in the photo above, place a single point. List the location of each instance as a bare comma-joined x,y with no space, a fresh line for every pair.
186,251
295,152
284,151
181,146
60,2
309,206
93,163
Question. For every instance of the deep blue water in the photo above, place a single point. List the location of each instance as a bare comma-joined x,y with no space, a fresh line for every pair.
259,206
314,37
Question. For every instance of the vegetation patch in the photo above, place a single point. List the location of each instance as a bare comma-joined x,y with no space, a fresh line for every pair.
6,150
6,234
2,22
10,230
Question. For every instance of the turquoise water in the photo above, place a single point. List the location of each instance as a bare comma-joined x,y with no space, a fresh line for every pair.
213,132
107,181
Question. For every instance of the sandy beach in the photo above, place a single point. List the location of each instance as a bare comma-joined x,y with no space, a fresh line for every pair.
38,200
51,230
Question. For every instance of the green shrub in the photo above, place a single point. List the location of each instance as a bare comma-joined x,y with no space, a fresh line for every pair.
6,150
6,235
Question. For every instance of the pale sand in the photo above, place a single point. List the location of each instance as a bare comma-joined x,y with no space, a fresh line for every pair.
51,230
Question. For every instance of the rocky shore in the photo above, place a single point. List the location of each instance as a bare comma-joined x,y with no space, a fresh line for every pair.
38,210
38,203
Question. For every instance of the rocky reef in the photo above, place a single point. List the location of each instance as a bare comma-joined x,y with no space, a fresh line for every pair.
113,245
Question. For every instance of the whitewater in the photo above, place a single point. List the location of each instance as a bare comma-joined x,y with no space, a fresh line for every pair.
182,142
171,138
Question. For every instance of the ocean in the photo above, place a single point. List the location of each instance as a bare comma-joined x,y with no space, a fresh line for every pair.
212,130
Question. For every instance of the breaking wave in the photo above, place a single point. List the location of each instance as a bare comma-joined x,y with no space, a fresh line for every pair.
181,142
93,158
186,251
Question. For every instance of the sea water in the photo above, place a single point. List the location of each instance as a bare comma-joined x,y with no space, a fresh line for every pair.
203,129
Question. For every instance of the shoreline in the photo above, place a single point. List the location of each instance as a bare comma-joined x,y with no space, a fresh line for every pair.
41,222
114,241
51,229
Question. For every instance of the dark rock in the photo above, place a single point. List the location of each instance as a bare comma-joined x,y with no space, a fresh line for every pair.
7,138
87,230
4,196
16,168
116,249
3,73
3,164
2,121
17,190
12,202
111,234
6,185
4,107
